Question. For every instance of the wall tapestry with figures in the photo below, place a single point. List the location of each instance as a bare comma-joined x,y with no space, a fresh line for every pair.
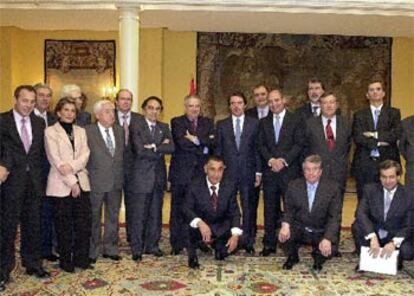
237,61
89,64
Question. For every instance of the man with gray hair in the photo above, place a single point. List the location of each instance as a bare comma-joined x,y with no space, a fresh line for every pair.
312,215
105,166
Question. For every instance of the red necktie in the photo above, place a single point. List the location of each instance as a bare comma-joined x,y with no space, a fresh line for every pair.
330,136
214,197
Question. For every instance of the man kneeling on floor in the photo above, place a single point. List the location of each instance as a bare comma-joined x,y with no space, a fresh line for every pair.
212,211
312,214
384,215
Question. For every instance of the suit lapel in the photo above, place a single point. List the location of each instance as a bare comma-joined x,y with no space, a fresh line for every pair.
13,131
245,131
206,198
230,131
395,203
35,131
320,133
118,143
370,119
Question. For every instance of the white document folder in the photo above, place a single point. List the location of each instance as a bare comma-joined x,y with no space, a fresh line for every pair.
379,265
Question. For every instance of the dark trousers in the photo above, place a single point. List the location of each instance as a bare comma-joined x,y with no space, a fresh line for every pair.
73,228
219,241
127,201
254,208
365,175
20,205
146,221
406,248
48,226
272,213
178,229
299,237
246,192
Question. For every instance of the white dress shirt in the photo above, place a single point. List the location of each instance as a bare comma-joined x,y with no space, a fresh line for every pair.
318,108
194,223
333,125
234,119
262,112
121,117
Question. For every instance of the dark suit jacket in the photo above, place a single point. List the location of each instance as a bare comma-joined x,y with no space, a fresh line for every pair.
84,118
243,164
252,112
389,128
335,163
188,159
149,169
326,211
105,171
15,158
407,139
289,147
51,120
198,204
370,212
128,155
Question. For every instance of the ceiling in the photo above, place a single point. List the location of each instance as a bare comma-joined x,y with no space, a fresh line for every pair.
393,18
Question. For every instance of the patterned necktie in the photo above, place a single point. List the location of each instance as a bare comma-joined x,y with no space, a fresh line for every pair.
315,111
109,143
375,152
152,132
214,197
387,203
330,136
126,128
24,134
238,133
277,128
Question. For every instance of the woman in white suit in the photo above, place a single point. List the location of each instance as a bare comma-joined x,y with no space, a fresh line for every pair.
68,153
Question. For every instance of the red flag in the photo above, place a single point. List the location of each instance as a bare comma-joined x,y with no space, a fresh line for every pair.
192,87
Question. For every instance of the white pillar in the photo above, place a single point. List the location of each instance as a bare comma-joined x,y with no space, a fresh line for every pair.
129,50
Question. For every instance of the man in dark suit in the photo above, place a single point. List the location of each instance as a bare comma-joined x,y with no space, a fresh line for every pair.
151,140
315,90
23,146
237,145
43,97
126,118
312,215
3,177
384,215
212,211
281,139
407,151
376,130
193,137
259,111
105,166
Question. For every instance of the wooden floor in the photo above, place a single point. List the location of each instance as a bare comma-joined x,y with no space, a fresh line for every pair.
348,211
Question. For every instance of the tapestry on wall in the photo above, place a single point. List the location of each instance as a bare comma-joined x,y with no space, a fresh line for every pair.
237,61
89,64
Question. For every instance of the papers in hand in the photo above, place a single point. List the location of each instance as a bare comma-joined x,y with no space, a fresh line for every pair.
379,265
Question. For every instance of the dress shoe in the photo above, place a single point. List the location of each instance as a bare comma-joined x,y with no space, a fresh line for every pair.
204,248
2,286
337,254
400,265
220,256
137,258
92,260
112,257
267,251
317,266
176,251
249,250
38,272
68,267
157,253
51,258
193,262
85,266
290,262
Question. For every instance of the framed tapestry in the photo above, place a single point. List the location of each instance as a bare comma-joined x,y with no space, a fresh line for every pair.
237,61
89,64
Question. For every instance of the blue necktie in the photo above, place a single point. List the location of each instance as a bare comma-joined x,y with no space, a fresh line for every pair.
375,152
311,195
238,133
277,128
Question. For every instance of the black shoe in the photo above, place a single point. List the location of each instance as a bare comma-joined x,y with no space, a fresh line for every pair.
317,266
85,267
193,262
400,265
204,248
112,257
92,260
2,286
290,262
337,254
137,258
38,272
68,267
220,256
250,250
51,258
357,268
157,253
176,251
267,251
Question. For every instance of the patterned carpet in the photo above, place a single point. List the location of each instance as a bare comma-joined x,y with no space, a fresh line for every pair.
238,275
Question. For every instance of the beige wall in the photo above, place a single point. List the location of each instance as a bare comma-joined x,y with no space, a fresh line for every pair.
167,63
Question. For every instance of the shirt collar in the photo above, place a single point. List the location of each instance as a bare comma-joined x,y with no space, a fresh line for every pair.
19,117
392,192
281,114
325,119
209,185
121,114
150,123
39,113
102,128
240,117
373,108
314,105
312,186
